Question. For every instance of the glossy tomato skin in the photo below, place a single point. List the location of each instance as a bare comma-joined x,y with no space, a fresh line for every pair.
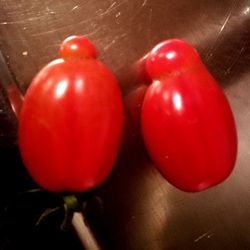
187,123
71,124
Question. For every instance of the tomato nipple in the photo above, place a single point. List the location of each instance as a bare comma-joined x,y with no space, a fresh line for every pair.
77,47
169,57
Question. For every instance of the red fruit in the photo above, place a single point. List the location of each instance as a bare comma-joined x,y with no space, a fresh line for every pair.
71,121
187,123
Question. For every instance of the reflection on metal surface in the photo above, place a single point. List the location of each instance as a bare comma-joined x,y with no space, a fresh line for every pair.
14,95
246,11
15,99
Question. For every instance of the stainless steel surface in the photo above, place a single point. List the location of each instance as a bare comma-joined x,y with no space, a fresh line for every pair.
137,208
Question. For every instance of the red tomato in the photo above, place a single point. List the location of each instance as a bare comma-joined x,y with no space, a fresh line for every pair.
71,121
187,123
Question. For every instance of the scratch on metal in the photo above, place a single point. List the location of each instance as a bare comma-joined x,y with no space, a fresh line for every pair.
110,8
236,59
144,3
109,45
207,235
226,20
75,7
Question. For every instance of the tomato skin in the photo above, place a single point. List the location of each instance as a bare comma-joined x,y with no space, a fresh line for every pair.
71,125
187,123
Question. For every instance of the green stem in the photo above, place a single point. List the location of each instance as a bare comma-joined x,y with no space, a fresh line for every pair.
71,205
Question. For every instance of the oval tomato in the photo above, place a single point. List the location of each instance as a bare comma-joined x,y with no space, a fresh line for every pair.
71,121
187,123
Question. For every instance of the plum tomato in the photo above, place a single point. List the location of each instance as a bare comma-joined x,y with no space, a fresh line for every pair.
71,121
187,123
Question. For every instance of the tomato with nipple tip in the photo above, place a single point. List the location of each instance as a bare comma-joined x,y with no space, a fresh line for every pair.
71,121
187,123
